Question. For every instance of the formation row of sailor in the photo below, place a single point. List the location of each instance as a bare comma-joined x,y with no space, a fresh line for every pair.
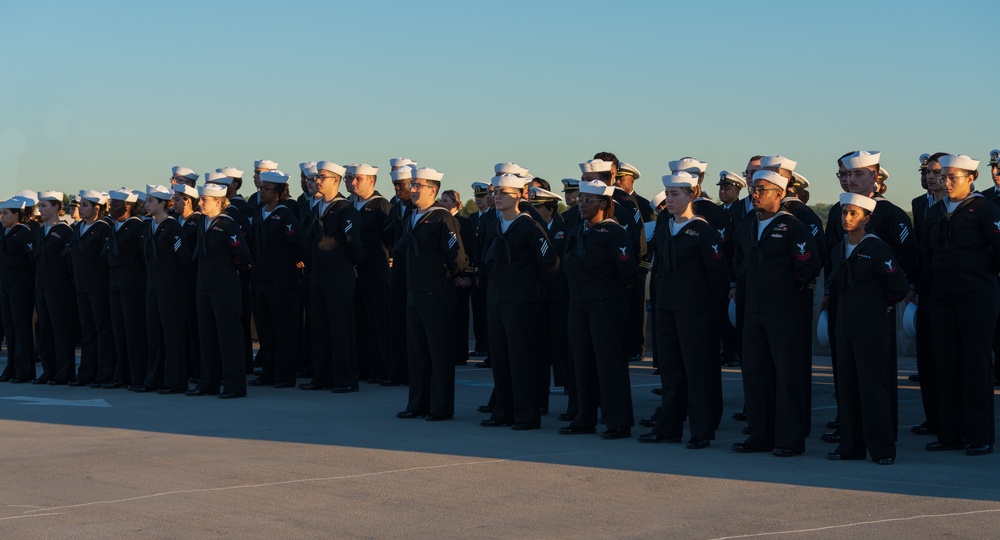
161,286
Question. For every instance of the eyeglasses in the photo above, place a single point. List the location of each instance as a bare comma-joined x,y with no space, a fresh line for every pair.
330,177
953,177
856,174
266,188
418,186
584,201
506,193
757,190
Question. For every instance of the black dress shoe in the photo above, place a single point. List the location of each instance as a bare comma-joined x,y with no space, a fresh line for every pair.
311,386
635,358
938,446
344,389
284,385
96,385
885,461
745,430
54,382
6,378
20,381
438,417
740,416
391,383
979,450
489,422
485,409
166,391
914,378
833,424
113,384
566,417
258,382
832,437
617,433
784,452
74,384
196,392
656,371
744,448
656,438
41,380
649,421
698,444
526,426
231,395
484,364
657,391
576,430
837,456
922,429
409,414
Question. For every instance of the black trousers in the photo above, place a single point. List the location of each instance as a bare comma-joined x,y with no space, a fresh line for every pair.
925,362
277,312
128,322
805,327
553,342
55,334
867,376
772,380
334,352
168,343
635,331
964,366
193,353
477,295
718,312
221,337
429,317
17,305
461,336
515,363
97,341
399,369
246,319
687,370
600,362
305,325
371,312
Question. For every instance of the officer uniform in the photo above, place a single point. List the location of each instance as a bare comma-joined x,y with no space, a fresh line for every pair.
477,295
17,297
220,252
867,281
463,295
127,291
167,260
53,290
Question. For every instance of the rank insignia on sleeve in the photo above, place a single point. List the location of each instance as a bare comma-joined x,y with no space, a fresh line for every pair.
802,255
624,253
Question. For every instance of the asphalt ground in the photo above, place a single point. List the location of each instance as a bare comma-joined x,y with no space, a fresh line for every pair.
94,463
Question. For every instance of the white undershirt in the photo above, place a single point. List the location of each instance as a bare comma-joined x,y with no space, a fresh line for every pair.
762,224
676,227
850,249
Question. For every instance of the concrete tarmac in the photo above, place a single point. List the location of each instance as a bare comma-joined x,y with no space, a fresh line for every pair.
90,463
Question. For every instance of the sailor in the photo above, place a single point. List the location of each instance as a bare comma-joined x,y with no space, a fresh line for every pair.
483,199
401,175
127,289
452,201
234,180
167,259
434,257
730,185
275,286
308,201
183,175
17,291
53,292
992,194
571,189
185,211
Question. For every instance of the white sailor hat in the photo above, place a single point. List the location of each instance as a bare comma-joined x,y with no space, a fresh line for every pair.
401,162
29,197
14,203
216,177
403,173
185,172
510,168
363,169
680,179
596,187
571,184
212,190
306,165
923,161
185,189
274,177
159,192
507,181
233,172
124,195
772,177
688,164
994,157
265,165
139,195
596,165
330,166
883,174
311,172
538,195
658,200
627,168
861,159
74,200
50,196
93,196
778,162
729,177
959,161
480,188
860,201
798,178
428,173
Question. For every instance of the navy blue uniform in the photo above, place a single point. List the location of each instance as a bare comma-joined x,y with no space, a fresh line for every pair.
17,300
167,259
92,277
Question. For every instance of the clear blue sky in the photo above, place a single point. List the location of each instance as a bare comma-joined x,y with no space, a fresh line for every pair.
104,94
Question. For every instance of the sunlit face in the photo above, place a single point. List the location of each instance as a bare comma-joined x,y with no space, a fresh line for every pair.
310,186
729,193
422,192
269,192
861,180
766,196
49,210
752,167
256,177
506,198
853,218
481,202
995,172
210,206
181,205
957,182
678,200
571,197
327,183
88,210
402,188
8,218
448,201
362,185
155,207
590,205
117,209
626,182
934,183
